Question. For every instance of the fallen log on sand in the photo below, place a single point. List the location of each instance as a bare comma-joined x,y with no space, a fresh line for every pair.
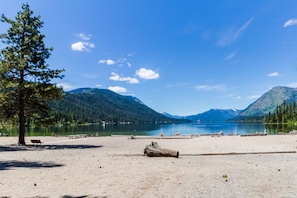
154,150
231,153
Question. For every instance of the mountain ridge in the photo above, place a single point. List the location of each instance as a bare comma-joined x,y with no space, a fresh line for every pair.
270,100
103,104
212,115
92,105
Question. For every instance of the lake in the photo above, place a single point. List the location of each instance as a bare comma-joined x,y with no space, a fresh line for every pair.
150,130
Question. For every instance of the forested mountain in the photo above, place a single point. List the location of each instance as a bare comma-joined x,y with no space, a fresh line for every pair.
270,100
88,105
266,104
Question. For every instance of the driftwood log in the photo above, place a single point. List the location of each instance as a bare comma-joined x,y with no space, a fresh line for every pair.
154,150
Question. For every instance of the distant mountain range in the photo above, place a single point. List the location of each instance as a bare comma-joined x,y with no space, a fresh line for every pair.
213,115
261,107
96,105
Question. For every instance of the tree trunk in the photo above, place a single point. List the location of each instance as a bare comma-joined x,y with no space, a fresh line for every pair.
154,150
21,113
21,124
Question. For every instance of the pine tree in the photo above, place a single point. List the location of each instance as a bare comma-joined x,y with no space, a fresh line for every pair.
25,77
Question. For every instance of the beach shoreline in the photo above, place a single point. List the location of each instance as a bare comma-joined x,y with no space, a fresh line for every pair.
258,166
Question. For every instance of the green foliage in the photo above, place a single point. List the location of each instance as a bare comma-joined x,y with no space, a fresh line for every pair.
25,85
284,113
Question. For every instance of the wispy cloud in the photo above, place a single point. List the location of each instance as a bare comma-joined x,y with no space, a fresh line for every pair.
218,87
84,37
254,96
117,89
178,84
293,85
122,61
232,35
147,74
273,74
290,22
234,97
231,56
107,61
84,45
114,76
130,54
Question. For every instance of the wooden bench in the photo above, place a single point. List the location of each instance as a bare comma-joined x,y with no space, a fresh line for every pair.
36,142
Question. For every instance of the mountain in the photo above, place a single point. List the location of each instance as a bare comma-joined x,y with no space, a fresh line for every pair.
96,105
173,116
213,115
269,101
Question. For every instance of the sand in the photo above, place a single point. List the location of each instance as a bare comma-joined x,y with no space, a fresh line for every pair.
116,167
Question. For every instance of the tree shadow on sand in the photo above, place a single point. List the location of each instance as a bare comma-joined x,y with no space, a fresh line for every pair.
46,147
83,196
6,165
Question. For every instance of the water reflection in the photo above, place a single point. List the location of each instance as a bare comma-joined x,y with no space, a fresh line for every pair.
151,130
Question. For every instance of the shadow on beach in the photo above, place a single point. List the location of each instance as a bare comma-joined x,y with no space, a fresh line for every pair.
6,165
46,147
83,196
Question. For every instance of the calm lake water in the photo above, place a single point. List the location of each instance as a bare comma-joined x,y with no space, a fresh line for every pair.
150,130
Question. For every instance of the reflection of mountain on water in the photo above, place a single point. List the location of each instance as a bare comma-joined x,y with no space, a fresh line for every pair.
210,128
152,130
91,130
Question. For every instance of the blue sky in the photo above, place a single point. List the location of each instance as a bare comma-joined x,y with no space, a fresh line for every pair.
180,57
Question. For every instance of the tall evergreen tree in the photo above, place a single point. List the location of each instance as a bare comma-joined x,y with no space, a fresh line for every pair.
25,77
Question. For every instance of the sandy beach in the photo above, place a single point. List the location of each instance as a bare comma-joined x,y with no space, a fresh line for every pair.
116,167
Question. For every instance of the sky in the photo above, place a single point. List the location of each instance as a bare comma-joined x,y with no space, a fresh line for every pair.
179,57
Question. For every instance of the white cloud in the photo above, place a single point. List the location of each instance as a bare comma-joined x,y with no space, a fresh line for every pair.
84,37
131,54
293,85
118,89
273,74
107,61
254,97
218,87
147,74
98,85
66,86
232,35
230,56
290,22
114,76
82,46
